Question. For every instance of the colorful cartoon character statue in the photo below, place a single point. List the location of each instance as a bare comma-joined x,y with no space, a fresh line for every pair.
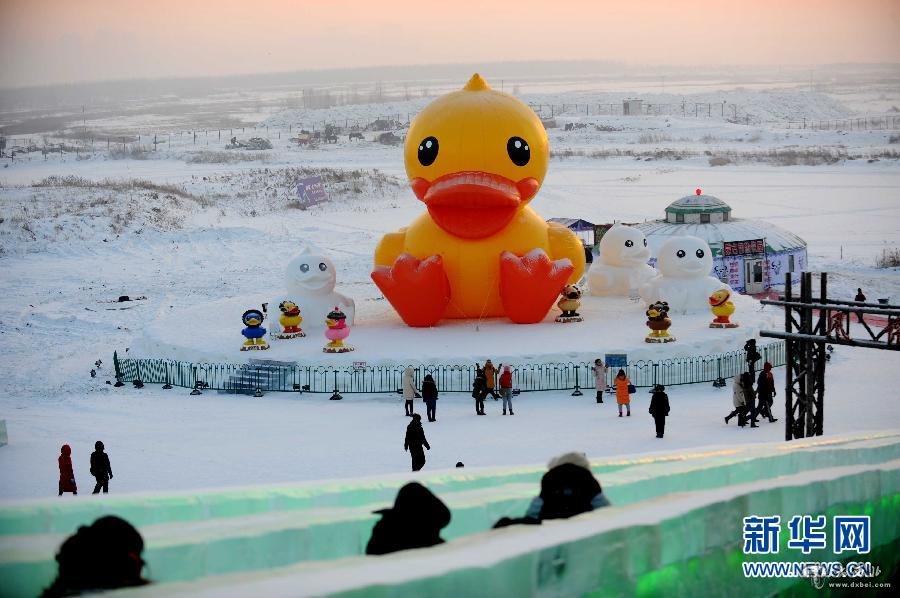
722,307
684,264
621,267
658,322
254,332
336,331
475,158
309,282
569,303
290,320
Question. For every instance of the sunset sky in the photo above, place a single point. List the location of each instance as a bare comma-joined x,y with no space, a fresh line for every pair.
47,41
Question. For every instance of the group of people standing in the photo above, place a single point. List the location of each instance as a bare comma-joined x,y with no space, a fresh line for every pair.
749,404
100,469
485,384
659,401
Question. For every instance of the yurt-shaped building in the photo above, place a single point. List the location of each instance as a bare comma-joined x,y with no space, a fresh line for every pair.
752,256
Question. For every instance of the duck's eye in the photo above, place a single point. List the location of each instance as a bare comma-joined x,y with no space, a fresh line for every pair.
645,242
323,267
518,151
700,254
428,151
680,253
304,268
629,243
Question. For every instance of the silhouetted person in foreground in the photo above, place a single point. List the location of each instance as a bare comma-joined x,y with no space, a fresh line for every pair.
659,408
66,473
568,488
103,556
415,440
415,521
100,468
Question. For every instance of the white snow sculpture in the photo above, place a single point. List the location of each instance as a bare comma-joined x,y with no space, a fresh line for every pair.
684,264
622,265
309,282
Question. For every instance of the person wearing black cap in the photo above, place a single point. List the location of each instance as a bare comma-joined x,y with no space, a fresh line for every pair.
659,408
102,556
415,521
415,440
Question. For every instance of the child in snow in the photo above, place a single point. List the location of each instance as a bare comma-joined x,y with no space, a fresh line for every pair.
479,390
568,488
408,386
102,556
430,396
415,521
100,468
66,473
414,441
506,389
623,397
659,408
599,371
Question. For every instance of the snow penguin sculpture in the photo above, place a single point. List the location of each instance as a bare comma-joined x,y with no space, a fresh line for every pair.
476,157
684,264
309,283
622,267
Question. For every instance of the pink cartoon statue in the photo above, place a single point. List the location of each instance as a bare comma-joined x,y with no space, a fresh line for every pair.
336,331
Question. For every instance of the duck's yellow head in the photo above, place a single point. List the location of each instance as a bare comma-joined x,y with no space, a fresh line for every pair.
719,297
475,157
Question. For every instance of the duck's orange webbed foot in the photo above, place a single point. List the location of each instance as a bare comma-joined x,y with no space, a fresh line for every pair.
530,284
418,289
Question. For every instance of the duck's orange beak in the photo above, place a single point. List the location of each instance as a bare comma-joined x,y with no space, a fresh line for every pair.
473,205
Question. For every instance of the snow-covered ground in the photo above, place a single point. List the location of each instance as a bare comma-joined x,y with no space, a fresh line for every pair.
184,231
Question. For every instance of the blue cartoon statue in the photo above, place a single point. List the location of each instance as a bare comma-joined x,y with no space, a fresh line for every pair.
254,332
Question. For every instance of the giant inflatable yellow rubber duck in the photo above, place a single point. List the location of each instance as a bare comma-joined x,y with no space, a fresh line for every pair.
475,158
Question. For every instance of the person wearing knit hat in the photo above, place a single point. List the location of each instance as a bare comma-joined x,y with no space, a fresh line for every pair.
659,408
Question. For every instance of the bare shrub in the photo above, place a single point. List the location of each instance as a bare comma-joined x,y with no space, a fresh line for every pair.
719,161
135,152
653,138
112,184
225,157
894,139
889,258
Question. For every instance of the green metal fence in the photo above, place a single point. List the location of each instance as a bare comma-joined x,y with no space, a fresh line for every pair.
268,375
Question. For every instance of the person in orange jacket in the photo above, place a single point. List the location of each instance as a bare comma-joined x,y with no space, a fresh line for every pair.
622,395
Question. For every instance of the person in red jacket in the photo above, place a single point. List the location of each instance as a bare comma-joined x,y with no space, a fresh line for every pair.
506,389
66,473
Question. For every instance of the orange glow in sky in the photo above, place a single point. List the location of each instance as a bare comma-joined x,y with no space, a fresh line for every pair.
44,41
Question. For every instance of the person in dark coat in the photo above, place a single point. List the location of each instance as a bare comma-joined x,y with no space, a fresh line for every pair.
100,468
415,440
430,396
750,396
415,521
102,556
479,390
659,408
66,472
568,488
861,298
765,391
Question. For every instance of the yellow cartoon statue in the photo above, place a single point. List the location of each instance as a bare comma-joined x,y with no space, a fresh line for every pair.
476,157
722,307
290,320
659,322
569,302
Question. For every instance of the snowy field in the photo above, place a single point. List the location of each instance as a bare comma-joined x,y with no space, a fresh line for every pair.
184,232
